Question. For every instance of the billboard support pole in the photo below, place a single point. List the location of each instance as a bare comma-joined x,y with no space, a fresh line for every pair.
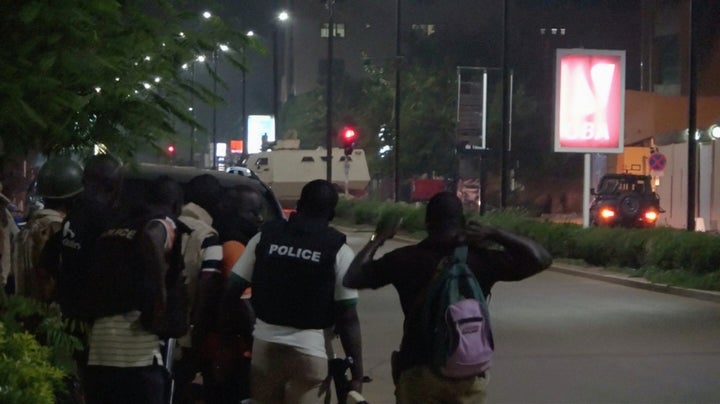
586,190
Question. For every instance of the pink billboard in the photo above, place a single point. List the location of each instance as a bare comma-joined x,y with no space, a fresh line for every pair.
589,101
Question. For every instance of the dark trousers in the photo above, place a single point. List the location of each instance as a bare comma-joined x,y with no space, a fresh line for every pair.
111,385
232,386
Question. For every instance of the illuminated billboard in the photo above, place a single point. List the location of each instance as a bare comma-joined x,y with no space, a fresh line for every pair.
260,126
589,101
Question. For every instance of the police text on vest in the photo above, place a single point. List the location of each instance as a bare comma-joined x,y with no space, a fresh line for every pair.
302,253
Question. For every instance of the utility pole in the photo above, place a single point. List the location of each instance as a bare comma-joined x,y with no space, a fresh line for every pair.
192,111
276,84
329,96
692,115
504,152
398,65
214,111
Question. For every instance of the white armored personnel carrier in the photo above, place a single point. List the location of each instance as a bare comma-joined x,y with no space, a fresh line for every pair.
287,168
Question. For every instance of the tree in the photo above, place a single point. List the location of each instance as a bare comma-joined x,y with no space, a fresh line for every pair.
78,73
427,118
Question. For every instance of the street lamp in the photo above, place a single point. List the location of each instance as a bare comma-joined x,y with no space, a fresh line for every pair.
223,48
191,108
250,34
281,18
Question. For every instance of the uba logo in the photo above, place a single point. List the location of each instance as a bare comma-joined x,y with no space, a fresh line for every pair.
590,103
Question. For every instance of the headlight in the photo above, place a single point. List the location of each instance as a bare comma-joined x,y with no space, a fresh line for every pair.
607,213
651,216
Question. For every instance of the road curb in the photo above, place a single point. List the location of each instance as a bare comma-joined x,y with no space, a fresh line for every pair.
600,274
596,273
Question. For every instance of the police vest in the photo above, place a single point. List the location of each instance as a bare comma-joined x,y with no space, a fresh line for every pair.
294,277
115,281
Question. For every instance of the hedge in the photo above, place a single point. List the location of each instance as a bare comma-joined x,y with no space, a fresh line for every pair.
661,248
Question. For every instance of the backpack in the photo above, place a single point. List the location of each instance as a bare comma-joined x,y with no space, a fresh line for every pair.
455,321
34,273
192,251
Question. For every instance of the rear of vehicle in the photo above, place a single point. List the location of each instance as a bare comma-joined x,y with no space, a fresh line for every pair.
625,200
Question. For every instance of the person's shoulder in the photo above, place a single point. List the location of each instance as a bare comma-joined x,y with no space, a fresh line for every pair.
198,226
272,225
402,253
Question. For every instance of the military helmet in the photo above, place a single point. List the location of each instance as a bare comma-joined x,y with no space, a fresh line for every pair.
59,178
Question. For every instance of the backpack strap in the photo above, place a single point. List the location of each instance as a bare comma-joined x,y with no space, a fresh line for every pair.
460,254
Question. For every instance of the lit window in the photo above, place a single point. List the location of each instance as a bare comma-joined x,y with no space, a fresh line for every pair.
339,30
424,29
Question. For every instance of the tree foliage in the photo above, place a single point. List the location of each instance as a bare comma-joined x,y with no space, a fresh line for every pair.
78,73
426,118
428,102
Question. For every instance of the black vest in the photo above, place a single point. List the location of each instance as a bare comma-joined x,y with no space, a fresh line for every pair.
115,281
293,282
81,230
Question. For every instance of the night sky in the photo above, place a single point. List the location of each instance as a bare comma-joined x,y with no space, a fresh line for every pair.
592,24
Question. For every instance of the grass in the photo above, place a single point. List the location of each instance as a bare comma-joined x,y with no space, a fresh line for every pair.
683,279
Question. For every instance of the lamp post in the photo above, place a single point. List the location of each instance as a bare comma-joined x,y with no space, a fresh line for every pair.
244,103
328,98
214,112
191,108
398,64
223,48
281,17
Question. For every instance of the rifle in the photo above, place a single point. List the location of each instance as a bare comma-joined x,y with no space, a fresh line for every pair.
338,369
169,355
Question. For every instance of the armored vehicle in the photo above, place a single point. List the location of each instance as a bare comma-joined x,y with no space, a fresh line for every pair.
287,168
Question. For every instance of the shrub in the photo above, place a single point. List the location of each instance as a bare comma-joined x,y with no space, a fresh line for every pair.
663,249
26,375
36,339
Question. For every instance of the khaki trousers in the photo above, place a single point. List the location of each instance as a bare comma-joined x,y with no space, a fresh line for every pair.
421,385
279,374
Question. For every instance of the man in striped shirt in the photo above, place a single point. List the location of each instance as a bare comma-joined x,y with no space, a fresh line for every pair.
128,287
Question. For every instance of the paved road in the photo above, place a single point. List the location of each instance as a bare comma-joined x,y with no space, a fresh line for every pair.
568,339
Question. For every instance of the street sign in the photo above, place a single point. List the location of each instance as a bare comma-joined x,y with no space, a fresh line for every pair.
657,161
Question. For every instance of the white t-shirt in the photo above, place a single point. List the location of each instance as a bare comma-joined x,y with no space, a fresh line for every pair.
310,342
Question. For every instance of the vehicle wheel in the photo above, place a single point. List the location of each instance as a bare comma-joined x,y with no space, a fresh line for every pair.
630,206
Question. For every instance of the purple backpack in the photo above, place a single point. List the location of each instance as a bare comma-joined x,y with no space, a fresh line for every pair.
456,321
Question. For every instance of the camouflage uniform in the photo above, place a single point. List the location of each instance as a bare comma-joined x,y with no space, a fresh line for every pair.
59,181
32,278
9,231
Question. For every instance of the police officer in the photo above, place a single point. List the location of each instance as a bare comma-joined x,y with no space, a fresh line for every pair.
59,182
296,269
137,264
82,227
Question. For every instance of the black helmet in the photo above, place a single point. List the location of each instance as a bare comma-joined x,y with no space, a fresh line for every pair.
59,178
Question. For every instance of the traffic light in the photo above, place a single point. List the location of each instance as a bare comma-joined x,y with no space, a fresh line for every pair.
170,150
349,136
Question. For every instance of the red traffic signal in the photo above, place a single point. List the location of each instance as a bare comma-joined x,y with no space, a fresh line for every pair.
348,136
171,149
